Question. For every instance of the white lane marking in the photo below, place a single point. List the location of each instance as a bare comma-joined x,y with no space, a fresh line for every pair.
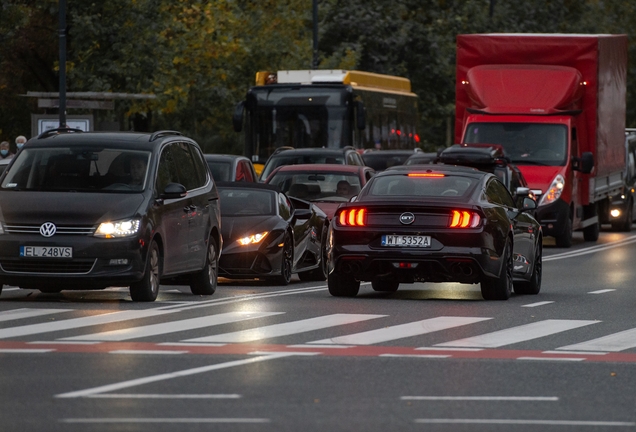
449,349
159,352
63,343
518,334
523,422
483,398
589,250
601,291
185,344
611,343
25,350
164,420
417,355
164,396
173,326
551,358
538,304
401,331
286,329
171,375
28,313
314,346
80,322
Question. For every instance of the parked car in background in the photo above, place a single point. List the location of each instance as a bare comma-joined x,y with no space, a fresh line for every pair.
89,210
421,158
485,157
269,235
380,160
435,223
327,186
226,168
621,209
292,156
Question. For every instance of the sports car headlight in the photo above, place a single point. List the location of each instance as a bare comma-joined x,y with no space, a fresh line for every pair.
118,229
252,239
554,191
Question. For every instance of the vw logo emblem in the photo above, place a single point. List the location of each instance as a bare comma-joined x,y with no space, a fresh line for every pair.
48,229
407,218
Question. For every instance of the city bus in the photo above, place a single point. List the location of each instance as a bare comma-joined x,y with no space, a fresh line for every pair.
326,108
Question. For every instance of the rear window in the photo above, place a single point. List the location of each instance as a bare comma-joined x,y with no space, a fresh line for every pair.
402,185
221,171
380,161
316,186
75,169
277,161
247,202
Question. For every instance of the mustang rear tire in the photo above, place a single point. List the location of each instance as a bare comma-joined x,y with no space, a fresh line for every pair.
533,286
204,282
343,285
148,287
384,285
500,288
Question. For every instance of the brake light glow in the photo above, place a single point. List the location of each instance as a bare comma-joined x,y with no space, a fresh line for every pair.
464,219
353,217
425,175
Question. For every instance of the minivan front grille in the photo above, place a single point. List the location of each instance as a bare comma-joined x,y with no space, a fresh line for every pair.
47,266
60,230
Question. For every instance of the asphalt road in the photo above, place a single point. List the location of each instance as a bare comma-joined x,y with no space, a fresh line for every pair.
430,357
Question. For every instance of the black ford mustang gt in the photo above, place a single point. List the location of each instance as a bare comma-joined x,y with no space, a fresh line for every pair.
435,223
268,235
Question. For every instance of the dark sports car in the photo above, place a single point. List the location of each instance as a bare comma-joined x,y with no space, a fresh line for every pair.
268,235
435,223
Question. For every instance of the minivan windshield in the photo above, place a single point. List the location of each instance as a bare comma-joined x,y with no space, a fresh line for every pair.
76,169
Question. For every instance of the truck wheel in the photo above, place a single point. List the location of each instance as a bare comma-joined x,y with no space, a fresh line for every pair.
564,240
500,288
342,285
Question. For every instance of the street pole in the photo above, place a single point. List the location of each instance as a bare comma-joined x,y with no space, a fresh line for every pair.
62,40
315,14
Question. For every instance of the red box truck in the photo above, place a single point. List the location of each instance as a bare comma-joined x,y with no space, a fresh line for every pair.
556,103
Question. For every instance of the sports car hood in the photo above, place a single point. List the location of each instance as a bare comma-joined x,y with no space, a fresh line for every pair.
235,227
32,208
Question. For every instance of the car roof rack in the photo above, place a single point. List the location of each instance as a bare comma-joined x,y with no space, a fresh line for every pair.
58,131
162,133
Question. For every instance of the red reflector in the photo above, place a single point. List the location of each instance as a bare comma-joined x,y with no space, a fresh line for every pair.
405,265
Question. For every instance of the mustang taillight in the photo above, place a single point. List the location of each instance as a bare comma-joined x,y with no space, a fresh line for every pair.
353,217
464,219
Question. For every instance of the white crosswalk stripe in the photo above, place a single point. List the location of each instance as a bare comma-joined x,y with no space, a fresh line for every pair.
611,343
28,313
517,334
401,331
286,329
74,323
171,326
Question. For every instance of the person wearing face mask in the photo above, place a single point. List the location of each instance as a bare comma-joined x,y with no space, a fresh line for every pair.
5,153
19,142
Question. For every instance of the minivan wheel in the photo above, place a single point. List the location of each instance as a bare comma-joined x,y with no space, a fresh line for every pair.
148,287
204,282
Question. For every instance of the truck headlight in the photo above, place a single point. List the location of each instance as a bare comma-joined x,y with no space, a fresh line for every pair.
118,229
554,191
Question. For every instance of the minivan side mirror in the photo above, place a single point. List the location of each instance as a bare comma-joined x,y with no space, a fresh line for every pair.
174,191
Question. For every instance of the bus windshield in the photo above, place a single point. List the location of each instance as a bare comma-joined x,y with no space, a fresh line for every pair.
299,119
524,143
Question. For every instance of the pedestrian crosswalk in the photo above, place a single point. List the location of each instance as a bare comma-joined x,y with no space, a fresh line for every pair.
274,327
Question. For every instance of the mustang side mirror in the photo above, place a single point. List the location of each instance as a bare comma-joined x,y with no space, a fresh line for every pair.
174,191
528,204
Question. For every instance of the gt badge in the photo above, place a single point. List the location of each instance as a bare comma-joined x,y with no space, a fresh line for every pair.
407,218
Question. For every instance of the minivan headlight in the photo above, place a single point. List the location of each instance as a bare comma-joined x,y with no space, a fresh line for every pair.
554,191
118,229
